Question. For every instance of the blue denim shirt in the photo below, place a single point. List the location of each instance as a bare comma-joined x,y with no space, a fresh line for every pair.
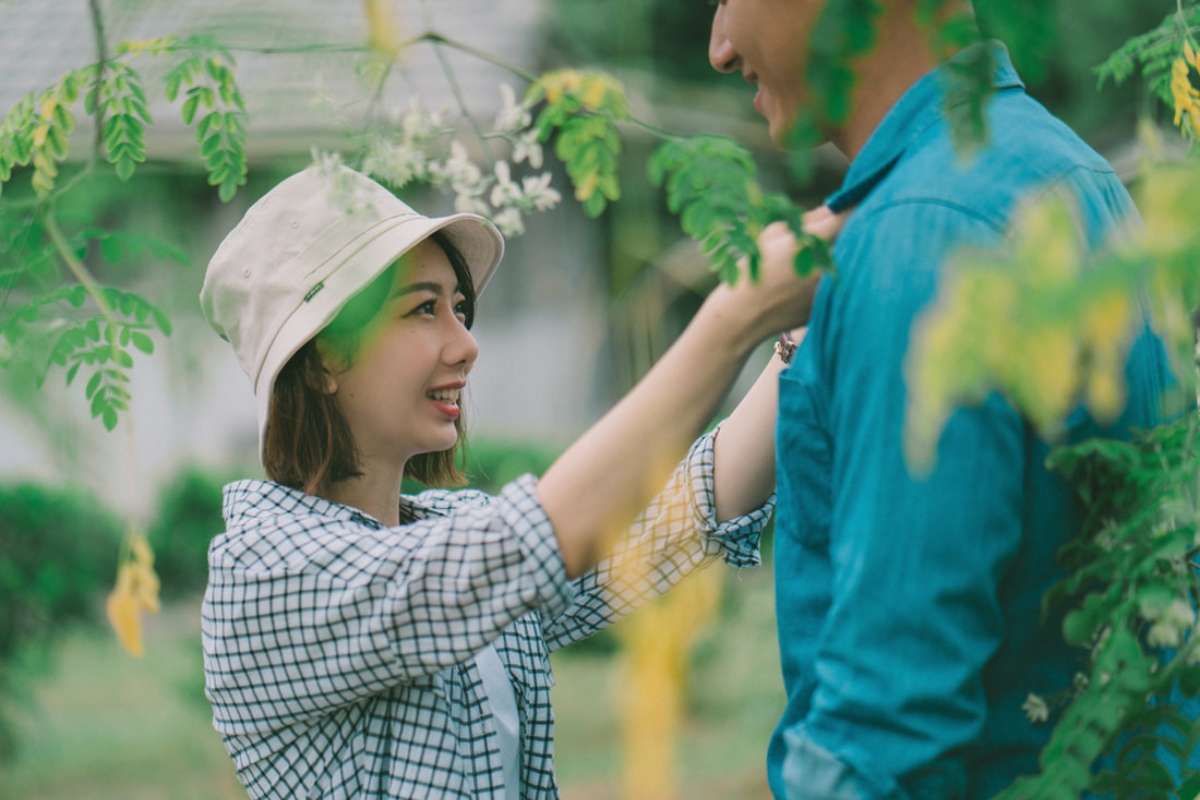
908,610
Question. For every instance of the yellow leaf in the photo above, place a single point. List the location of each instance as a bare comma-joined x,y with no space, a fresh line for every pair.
1107,321
587,187
572,80
1047,243
140,548
1106,391
1045,375
1166,199
382,35
594,92
125,613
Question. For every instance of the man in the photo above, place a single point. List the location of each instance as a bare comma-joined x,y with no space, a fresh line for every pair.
908,609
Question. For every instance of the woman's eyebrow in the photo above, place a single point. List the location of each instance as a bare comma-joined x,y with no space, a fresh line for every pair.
429,286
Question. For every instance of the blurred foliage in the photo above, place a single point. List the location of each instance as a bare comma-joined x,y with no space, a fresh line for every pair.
1133,588
667,38
57,551
189,516
1049,326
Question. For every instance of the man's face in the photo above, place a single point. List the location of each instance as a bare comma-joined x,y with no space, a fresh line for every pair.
767,42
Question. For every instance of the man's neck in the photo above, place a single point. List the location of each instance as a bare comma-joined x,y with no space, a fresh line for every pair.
901,57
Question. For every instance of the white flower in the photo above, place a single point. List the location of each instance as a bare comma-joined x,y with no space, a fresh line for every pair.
396,163
1035,709
509,222
1163,634
505,192
326,161
470,204
511,117
527,148
1180,613
416,123
538,191
463,175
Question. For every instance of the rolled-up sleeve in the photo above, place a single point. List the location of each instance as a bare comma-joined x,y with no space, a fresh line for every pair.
676,534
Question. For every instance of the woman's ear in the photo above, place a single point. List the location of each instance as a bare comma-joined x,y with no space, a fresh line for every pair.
323,379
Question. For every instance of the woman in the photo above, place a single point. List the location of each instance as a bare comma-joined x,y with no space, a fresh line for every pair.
360,643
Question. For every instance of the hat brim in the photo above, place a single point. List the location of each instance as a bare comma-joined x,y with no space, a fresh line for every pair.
479,242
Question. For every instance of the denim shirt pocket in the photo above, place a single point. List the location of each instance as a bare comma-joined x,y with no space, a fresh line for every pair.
804,458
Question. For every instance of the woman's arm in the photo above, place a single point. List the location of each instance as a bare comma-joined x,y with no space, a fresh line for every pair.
596,488
744,452
744,468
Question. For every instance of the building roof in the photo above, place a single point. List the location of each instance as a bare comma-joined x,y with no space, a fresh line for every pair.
280,70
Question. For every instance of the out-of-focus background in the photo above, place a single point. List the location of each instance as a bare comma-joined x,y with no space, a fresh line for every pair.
577,312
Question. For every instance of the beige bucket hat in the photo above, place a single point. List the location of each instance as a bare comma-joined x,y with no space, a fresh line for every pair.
305,249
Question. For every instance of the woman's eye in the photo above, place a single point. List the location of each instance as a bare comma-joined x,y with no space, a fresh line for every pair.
426,308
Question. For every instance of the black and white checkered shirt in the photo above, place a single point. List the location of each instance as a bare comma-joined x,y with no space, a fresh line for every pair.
339,654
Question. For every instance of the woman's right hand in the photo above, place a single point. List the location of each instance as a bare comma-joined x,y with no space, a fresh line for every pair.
780,299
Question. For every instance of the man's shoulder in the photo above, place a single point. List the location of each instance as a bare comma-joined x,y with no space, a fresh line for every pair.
1028,151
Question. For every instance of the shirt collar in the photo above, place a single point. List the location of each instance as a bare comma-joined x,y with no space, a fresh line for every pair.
252,499
913,113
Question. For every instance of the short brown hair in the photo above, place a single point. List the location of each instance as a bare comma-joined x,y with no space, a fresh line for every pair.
308,442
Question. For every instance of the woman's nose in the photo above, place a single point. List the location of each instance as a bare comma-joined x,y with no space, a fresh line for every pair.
462,348
721,54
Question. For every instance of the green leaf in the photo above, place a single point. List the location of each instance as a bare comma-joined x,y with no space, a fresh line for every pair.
189,109
125,166
1190,788
109,417
143,342
92,385
121,358
73,371
77,295
594,205
162,320
110,248
210,146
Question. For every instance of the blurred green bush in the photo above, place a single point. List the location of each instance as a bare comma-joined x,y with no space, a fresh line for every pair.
58,554
189,516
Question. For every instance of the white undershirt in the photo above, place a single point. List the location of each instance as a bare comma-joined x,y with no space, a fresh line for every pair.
503,702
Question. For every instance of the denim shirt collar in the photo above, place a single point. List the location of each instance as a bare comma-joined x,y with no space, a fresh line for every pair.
913,113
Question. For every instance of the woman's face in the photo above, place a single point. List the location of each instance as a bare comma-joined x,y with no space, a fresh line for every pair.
401,395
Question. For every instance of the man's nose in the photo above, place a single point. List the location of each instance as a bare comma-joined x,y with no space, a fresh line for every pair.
721,54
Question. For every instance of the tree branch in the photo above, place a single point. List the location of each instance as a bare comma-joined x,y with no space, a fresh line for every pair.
101,61
77,267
